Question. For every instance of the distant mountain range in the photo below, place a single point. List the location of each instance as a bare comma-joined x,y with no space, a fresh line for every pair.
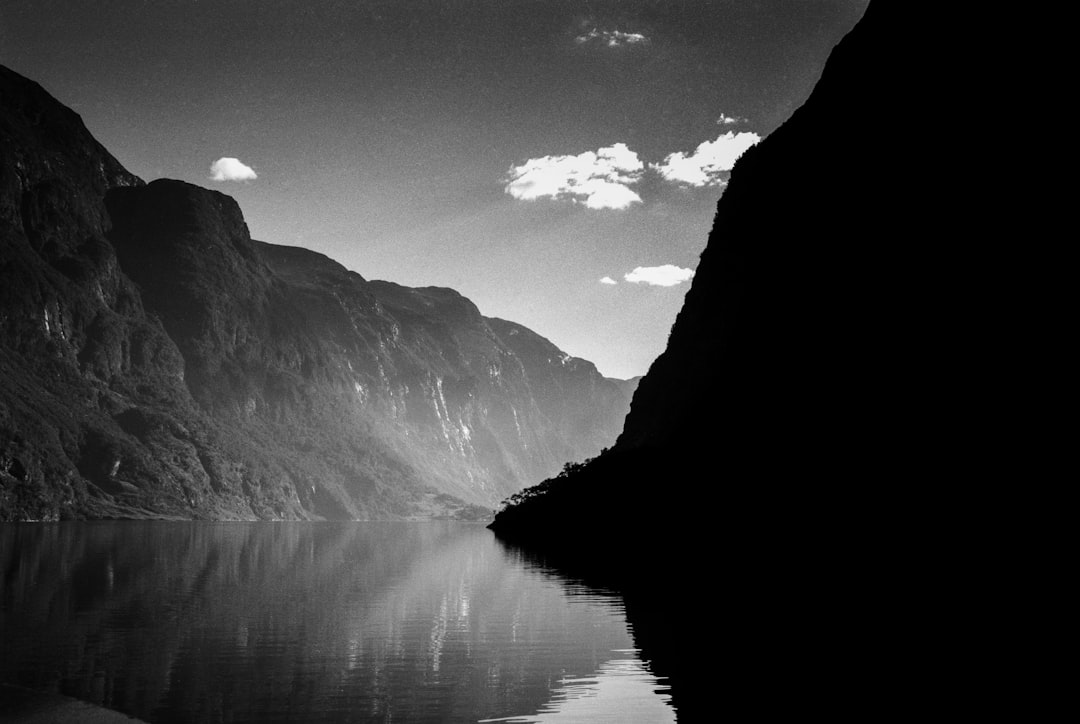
158,362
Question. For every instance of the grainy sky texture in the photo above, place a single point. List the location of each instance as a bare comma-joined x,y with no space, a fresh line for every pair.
557,162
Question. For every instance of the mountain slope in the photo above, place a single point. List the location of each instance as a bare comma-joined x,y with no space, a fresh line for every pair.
784,361
794,441
157,361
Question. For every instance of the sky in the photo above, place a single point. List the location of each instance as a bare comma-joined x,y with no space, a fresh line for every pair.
558,162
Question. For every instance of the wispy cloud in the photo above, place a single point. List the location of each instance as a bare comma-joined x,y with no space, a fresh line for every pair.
666,275
607,280
611,38
724,120
600,179
711,159
231,169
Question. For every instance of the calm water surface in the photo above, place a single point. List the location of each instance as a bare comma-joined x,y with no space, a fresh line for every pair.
312,622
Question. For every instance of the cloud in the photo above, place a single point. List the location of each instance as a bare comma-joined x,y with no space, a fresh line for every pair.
729,120
600,179
705,165
607,280
611,38
666,275
231,169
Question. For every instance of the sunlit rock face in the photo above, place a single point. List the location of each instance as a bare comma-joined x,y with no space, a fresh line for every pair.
159,362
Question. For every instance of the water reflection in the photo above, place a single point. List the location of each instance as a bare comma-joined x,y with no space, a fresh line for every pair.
309,622
622,690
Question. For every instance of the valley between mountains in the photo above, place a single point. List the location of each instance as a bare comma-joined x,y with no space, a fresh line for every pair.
157,362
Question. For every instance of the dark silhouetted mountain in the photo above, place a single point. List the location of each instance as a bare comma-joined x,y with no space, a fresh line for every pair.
783,364
156,361
799,414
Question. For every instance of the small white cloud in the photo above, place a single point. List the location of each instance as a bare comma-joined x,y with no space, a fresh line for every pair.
600,179
611,38
231,169
729,120
705,165
608,195
607,280
666,275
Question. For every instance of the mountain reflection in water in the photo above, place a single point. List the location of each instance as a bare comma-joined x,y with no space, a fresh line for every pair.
311,622
622,690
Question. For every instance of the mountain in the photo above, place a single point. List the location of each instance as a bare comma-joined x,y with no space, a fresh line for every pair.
801,431
785,360
787,363
158,362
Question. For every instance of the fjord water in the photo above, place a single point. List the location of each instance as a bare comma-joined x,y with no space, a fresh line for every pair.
312,622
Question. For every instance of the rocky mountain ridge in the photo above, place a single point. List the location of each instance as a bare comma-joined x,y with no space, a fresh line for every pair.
158,362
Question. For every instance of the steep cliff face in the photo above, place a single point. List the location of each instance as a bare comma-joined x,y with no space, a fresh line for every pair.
284,340
76,343
158,361
799,298
789,440
785,362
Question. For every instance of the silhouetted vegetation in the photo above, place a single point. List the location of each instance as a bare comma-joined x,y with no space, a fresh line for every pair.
570,470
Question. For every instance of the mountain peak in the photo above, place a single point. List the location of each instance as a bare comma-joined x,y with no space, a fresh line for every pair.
159,362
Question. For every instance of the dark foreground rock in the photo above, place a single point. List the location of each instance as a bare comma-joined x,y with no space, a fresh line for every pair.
767,479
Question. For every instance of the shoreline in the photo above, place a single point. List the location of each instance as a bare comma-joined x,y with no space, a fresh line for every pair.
19,704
